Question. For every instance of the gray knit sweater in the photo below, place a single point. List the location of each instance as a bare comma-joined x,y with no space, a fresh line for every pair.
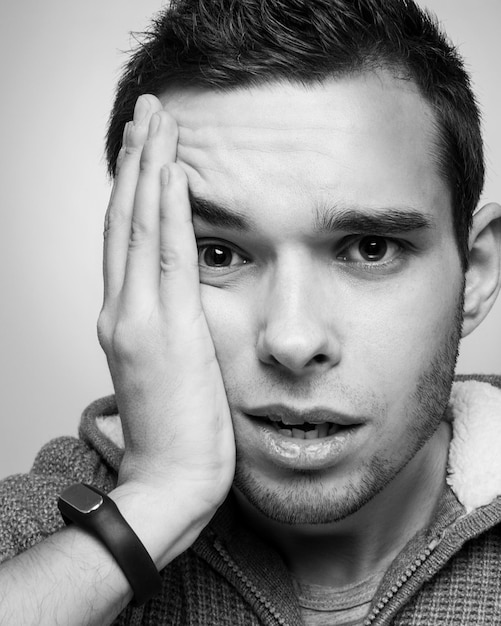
447,575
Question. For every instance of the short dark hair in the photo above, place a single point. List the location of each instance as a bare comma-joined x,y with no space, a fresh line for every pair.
224,44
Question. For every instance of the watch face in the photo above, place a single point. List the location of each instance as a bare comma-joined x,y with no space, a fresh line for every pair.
82,498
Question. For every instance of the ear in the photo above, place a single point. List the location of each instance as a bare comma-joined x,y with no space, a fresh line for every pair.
483,278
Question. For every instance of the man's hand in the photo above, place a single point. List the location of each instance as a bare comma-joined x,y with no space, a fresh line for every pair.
179,447
179,444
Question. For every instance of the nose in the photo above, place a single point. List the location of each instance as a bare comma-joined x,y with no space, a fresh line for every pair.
297,330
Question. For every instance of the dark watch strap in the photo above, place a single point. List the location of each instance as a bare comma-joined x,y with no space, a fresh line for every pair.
91,509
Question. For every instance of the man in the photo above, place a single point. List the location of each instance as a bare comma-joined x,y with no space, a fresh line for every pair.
283,363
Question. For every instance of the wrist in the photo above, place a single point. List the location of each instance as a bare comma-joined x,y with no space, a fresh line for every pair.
94,511
162,519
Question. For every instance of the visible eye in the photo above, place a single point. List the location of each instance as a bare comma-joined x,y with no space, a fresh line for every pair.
371,249
219,256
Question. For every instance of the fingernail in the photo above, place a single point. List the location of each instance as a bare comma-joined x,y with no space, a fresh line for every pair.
154,125
141,109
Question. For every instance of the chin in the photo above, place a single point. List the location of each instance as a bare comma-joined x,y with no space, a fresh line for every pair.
309,498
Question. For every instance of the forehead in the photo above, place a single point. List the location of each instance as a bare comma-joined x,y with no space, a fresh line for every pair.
366,140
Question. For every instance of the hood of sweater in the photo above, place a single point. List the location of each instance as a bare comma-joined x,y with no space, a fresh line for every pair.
474,466
470,506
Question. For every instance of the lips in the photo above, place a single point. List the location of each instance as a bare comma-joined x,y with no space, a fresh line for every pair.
311,423
312,438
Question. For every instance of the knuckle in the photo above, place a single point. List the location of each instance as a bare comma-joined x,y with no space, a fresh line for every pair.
123,341
132,151
169,259
139,232
127,338
117,339
134,343
174,259
104,330
115,219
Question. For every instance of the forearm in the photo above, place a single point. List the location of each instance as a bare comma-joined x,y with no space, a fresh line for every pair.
72,578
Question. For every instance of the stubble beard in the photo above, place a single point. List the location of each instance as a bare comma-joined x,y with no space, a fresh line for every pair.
307,500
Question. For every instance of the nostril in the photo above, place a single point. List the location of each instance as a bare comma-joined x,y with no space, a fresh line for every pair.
297,350
320,359
294,362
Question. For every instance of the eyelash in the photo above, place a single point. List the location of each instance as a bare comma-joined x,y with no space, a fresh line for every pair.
203,246
374,267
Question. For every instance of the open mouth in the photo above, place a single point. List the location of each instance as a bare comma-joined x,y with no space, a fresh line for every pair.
313,438
312,423
306,430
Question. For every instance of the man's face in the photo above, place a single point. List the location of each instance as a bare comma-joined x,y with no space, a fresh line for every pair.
330,280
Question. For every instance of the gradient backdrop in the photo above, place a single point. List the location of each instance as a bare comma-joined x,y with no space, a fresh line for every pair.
59,61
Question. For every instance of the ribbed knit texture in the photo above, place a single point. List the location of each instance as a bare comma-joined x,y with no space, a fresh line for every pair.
230,578
466,591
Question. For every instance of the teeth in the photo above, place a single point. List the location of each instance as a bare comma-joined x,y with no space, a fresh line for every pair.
323,429
309,431
312,434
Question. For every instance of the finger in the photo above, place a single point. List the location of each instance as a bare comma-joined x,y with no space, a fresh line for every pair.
179,277
143,270
120,208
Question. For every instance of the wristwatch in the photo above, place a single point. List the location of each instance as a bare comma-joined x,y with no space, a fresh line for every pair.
91,509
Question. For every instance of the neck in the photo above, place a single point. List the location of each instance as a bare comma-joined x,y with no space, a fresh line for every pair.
367,541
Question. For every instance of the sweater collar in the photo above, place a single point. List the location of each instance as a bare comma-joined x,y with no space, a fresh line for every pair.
474,467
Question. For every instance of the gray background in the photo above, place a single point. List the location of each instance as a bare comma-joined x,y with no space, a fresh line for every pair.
59,61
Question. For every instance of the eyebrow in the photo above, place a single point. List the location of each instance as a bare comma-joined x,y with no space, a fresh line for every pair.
217,214
379,221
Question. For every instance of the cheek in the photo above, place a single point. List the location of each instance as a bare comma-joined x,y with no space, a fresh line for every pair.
403,329
230,320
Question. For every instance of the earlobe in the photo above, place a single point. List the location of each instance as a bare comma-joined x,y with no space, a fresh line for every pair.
483,278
